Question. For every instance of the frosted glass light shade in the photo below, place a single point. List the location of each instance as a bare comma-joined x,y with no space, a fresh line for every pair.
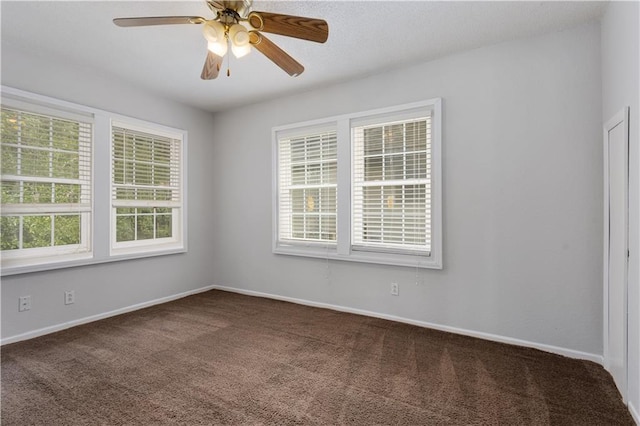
240,51
238,35
213,31
219,49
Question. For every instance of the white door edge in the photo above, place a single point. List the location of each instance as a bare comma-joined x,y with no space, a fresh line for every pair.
621,118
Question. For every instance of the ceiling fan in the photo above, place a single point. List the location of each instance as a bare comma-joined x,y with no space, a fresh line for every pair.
229,29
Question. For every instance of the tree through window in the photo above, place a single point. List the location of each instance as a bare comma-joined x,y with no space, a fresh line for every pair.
46,184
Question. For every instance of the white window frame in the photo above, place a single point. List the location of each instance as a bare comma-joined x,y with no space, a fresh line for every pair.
344,249
27,257
99,234
319,128
175,242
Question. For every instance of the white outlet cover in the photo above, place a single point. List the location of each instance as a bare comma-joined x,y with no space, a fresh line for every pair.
24,303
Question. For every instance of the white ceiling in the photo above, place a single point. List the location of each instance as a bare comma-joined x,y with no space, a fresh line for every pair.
365,37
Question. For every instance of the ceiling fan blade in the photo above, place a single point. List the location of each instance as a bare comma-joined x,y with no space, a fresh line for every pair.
291,26
211,66
158,20
277,55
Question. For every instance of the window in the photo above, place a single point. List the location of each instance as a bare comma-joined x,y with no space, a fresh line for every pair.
146,191
46,186
81,186
361,187
307,185
391,186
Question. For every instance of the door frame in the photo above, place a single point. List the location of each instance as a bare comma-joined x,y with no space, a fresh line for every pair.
621,118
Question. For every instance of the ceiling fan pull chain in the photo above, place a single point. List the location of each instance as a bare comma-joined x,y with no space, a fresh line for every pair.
228,57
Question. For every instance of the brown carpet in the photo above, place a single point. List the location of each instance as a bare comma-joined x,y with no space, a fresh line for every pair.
224,358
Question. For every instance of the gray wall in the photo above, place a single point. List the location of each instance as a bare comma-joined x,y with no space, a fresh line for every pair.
522,194
107,287
620,88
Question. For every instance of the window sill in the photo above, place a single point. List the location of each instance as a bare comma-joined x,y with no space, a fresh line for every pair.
85,260
394,259
143,248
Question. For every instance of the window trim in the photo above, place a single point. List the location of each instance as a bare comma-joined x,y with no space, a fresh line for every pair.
409,115
344,249
99,236
304,132
27,258
175,242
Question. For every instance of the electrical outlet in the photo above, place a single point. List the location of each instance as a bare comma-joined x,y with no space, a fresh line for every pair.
394,289
69,297
24,303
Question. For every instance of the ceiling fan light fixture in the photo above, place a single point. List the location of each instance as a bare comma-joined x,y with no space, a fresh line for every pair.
213,31
239,35
219,49
240,51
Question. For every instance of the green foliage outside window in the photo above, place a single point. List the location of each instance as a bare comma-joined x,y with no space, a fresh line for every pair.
37,231
37,146
133,224
10,230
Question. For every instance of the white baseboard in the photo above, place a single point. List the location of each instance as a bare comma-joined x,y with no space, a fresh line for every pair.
69,324
487,336
634,413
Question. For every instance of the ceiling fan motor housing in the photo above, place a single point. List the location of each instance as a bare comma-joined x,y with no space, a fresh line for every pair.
241,7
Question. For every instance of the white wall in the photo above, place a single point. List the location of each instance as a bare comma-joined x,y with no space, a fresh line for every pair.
107,287
522,194
620,88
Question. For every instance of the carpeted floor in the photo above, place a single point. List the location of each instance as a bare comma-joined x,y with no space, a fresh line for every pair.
224,358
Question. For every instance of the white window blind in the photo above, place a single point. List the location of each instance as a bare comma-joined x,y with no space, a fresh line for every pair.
392,186
46,185
307,169
146,186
